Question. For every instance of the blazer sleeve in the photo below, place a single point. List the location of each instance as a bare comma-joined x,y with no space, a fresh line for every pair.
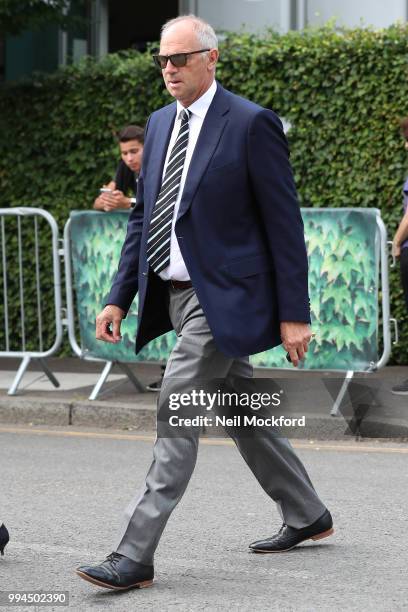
125,283
275,194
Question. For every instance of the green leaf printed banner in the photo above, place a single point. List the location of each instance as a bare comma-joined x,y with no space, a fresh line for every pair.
343,249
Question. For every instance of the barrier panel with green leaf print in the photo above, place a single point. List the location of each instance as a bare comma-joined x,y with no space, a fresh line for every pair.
93,242
346,247
347,269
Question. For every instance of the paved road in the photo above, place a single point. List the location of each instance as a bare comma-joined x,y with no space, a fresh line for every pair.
63,492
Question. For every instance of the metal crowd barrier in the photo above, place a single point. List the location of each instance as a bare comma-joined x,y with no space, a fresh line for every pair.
354,239
83,351
27,297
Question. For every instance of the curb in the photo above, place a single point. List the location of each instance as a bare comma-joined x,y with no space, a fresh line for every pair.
119,415
18,410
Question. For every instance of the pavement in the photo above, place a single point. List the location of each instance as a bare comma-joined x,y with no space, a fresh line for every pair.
121,406
64,489
69,466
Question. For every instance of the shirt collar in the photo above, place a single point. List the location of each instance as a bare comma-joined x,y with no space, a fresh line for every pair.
200,106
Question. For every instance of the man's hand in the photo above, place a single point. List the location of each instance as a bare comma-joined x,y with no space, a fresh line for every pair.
396,249
113,200
295,338
108,324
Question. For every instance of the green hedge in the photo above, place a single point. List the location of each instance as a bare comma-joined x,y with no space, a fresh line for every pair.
343,92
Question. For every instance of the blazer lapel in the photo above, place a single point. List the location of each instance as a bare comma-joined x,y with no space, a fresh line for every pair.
159,150
210,134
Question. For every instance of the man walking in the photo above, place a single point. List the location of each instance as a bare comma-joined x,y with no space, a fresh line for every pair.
215,248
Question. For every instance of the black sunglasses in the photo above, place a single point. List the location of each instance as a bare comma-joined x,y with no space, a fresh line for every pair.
177,59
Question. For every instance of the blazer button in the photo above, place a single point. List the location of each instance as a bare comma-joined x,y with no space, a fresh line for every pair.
144,273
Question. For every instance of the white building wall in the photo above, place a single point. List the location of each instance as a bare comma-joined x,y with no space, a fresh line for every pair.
256,15
250,15
354,13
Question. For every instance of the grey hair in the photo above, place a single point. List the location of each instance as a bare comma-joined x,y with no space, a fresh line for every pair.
203,30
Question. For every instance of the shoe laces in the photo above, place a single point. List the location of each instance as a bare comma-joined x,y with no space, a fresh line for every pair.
279,533
114,558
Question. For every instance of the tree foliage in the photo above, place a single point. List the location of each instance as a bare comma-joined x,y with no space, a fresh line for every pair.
19,15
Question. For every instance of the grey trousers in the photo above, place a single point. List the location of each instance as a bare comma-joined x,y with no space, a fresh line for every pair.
270,457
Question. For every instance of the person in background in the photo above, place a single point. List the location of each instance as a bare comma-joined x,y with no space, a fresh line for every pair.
4,538
400,249
113,196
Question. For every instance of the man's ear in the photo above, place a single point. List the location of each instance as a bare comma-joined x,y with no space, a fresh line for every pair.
213,55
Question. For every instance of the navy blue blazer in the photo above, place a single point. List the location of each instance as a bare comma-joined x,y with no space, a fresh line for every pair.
239,229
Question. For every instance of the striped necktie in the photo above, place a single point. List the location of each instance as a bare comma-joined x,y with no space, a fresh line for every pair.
158,242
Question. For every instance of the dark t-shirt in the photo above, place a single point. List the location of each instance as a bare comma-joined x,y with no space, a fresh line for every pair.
404,245
125,178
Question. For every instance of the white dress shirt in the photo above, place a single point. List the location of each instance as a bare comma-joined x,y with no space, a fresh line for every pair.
177,270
